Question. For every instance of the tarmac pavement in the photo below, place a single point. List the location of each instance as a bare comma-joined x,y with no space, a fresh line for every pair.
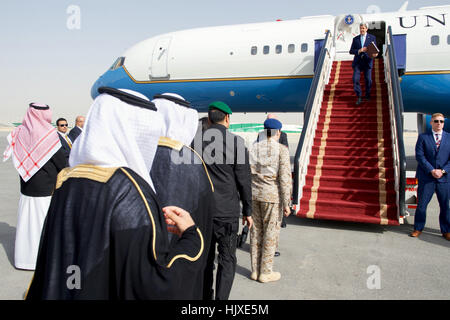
319,259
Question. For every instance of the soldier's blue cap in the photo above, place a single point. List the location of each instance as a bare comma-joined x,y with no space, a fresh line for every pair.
222,106
272,124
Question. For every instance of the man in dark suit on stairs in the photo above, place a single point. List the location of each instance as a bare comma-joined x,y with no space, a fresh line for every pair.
362,62
433,165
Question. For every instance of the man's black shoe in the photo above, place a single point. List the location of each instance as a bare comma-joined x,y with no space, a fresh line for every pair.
367,98
277,254
358,102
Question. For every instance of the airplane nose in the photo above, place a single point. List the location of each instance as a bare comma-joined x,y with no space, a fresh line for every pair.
94,89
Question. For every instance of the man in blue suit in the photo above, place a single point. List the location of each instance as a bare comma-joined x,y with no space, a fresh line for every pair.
362,62
433,165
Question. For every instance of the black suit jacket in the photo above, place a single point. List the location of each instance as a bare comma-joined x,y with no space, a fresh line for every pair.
74,133
229,171
42,184
65,147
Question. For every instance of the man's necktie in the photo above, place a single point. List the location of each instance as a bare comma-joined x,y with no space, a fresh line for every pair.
68,142
438,141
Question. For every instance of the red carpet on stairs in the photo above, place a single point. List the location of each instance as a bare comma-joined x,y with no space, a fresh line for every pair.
350,174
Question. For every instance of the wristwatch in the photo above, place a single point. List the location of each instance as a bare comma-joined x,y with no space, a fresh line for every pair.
444,172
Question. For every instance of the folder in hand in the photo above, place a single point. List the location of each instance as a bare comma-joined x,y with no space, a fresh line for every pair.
372,49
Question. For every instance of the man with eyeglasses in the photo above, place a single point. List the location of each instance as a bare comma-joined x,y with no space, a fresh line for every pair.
62,126
433,165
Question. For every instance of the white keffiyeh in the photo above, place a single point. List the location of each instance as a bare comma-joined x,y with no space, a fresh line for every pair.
181,122
117,134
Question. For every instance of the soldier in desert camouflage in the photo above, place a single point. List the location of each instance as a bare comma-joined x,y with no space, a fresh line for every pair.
271,193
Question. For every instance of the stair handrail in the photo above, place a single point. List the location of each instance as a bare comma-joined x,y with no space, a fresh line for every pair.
396,117
311,115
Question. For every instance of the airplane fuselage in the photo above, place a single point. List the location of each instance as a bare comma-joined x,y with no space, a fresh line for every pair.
267,67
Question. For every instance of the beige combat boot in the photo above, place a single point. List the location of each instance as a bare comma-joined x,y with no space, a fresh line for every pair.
254,275
268,277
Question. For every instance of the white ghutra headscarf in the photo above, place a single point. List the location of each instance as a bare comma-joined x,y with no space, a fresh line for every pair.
181,122
118,134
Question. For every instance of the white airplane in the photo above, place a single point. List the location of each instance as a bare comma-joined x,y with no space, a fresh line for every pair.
262,67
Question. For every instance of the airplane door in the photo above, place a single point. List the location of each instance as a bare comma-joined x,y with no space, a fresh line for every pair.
318,45
346,27
159,59
400,50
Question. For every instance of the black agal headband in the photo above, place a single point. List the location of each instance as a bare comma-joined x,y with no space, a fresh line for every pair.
128,98
176,100
39,107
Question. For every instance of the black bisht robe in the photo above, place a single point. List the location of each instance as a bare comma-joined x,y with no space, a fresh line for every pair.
105,238
181,179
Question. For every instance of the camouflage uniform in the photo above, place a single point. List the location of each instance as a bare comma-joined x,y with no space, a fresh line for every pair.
271,192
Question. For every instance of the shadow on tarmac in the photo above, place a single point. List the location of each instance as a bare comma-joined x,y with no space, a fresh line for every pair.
429,235
332,224
243,271
7,239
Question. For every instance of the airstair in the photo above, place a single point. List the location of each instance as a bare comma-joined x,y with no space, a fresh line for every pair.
350,162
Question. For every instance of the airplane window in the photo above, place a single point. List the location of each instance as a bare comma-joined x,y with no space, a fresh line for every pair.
118,63
434,40
254,50
278,49
304,47
266,49
291,48
114,64
448,39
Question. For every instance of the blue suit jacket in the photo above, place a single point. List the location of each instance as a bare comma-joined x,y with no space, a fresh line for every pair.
362,60
429,158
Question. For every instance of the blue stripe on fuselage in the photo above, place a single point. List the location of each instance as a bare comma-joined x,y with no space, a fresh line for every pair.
426,93
255,95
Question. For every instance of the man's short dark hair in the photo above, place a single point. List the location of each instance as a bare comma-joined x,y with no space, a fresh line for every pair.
204,122
60,119
270,132
215,115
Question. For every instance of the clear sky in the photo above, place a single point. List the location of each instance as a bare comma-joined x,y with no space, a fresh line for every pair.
45,60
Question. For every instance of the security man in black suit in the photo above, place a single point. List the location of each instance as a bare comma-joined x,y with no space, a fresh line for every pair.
75,132
227,160
62,126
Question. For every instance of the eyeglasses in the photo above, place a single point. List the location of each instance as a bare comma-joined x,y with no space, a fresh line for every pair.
63,125
438,121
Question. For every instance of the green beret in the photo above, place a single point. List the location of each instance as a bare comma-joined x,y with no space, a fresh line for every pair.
222,106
